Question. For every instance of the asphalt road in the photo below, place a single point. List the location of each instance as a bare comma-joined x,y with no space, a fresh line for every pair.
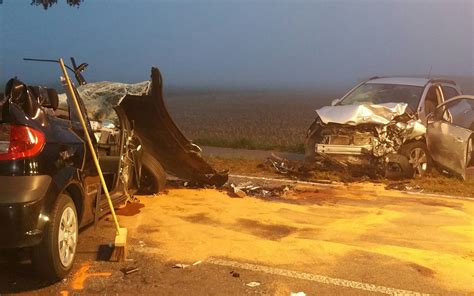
358,239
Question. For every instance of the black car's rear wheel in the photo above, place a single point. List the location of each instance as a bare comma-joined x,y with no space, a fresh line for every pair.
54,256
153,176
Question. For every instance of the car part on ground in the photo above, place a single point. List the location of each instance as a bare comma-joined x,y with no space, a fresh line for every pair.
265,191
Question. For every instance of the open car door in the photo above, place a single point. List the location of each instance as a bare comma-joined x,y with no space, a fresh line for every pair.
450,134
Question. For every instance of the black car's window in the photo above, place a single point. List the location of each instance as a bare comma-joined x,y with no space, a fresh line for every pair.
449,92
374,93
461,113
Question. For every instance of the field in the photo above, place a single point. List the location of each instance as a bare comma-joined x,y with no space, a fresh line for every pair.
253,120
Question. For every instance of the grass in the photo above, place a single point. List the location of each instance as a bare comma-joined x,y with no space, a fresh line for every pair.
246,143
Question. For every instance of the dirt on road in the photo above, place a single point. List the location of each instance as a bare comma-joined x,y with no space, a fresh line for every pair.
356,239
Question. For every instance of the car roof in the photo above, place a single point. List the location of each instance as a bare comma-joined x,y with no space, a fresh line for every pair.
400,80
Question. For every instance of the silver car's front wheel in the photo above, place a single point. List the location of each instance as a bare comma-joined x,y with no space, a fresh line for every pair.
418,157
419,161
67,237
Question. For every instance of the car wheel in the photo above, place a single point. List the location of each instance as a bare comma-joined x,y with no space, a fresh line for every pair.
153,176
418,157
54,256
312,138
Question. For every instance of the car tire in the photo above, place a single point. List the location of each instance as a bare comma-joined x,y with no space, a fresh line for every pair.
418,157
153,176
54,257
312,138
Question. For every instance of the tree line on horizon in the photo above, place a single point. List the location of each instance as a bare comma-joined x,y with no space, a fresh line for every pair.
48,3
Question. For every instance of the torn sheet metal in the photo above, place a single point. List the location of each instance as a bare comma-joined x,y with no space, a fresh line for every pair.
163,139
144,106
360,114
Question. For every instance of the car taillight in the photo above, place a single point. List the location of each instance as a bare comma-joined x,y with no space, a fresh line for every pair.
18,141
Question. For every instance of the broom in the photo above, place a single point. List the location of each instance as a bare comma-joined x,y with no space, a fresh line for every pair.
119,252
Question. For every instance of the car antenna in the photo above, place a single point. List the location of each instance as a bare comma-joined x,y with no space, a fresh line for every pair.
75,69
429,73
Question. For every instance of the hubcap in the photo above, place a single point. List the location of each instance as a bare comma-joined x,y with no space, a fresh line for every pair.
419,161
67,237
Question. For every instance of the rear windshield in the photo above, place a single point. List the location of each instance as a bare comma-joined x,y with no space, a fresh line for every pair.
374,93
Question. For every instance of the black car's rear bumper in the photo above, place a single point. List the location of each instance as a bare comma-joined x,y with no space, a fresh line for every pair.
21,201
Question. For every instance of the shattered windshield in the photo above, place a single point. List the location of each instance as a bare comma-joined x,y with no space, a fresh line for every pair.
373,93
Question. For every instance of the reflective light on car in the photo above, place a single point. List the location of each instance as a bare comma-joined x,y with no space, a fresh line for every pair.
18,141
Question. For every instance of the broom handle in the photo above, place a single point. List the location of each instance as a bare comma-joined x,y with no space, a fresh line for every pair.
91,146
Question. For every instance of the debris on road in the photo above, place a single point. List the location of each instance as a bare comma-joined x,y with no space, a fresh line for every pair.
235,274
249,189
238,192
293,169
181,265
298,294
197,263
253,284
404,186
129,270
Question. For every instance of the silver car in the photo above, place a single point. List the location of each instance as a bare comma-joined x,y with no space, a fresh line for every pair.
378,126
450,135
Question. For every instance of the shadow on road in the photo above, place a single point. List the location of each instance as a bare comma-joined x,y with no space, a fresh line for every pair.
17,273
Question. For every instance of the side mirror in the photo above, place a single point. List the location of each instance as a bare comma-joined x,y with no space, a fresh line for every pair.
335,102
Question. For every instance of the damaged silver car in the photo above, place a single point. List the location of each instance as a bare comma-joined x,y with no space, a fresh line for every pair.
378,128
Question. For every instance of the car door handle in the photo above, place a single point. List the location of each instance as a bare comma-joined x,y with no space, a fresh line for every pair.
459,139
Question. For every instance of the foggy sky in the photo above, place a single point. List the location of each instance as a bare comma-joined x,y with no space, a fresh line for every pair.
240,44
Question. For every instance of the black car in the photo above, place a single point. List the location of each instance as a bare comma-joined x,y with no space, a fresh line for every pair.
49,187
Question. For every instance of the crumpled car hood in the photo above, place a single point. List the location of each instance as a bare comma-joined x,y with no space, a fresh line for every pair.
361,114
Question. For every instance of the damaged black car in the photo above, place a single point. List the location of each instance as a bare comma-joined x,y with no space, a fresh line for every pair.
50,187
